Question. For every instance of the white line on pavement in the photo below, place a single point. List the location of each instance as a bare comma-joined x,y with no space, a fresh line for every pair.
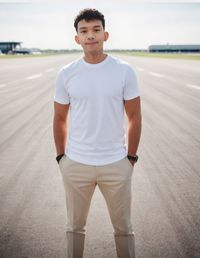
35,76
193,86
156,74
49,70
140,69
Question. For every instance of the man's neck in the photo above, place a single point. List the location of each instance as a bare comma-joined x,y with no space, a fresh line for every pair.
95,58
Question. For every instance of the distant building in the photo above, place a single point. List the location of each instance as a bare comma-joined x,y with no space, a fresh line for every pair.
22,51
10,46
175,48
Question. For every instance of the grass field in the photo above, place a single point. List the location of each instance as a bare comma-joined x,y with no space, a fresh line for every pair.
189,56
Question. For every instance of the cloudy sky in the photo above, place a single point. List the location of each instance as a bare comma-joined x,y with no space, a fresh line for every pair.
131,24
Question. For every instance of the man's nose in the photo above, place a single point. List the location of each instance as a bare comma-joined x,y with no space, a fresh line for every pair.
90,36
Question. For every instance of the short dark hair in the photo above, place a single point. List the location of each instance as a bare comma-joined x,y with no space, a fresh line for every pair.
89,14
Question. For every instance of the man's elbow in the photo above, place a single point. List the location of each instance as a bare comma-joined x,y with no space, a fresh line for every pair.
135,118
58,119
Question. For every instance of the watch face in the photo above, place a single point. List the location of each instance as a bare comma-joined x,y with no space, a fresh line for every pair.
135,158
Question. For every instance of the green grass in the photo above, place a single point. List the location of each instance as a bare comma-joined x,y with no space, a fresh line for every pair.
189,56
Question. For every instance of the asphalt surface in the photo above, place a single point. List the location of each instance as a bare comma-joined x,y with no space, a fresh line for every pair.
166,180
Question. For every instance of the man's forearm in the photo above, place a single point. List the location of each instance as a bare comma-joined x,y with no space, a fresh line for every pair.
134,133
60,135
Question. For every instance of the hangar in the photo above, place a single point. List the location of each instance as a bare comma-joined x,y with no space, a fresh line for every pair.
175,48
10,46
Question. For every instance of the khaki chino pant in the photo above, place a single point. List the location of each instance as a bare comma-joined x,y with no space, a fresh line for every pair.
114,182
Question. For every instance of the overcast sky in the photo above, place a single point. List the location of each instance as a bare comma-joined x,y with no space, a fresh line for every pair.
131,24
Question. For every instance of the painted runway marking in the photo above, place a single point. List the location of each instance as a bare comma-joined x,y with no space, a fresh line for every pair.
156,74
140,69
193,86
49,70
35,76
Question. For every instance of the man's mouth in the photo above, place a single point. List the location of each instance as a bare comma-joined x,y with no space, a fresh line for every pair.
91,43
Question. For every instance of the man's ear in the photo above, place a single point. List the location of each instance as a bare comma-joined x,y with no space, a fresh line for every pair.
106,35
77,39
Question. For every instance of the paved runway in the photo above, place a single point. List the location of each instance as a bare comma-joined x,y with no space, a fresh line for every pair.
166,180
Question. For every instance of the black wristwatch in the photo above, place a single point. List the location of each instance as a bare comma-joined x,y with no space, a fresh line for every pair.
59,157
134,158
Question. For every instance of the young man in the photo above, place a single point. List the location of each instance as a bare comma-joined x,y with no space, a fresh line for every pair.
95,90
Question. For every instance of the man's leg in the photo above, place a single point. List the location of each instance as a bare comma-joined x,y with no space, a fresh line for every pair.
79,184
114,181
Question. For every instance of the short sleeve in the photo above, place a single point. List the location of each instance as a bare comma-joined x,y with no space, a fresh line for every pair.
131,89
61,95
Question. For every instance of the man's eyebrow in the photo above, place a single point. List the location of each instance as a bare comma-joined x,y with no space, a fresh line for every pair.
83,28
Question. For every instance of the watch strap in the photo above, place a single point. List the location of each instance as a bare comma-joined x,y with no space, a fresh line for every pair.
59,157
134,158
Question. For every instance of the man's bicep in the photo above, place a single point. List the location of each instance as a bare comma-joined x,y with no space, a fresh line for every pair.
132,107
61,110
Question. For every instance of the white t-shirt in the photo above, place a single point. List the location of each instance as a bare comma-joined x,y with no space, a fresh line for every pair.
96,93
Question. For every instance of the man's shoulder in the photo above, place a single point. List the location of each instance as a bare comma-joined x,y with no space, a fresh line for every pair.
71,66
69,69
119,61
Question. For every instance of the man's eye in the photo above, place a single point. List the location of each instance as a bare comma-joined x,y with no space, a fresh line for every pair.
83,31
97,30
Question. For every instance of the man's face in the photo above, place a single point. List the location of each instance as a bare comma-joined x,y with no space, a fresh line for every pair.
91,36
